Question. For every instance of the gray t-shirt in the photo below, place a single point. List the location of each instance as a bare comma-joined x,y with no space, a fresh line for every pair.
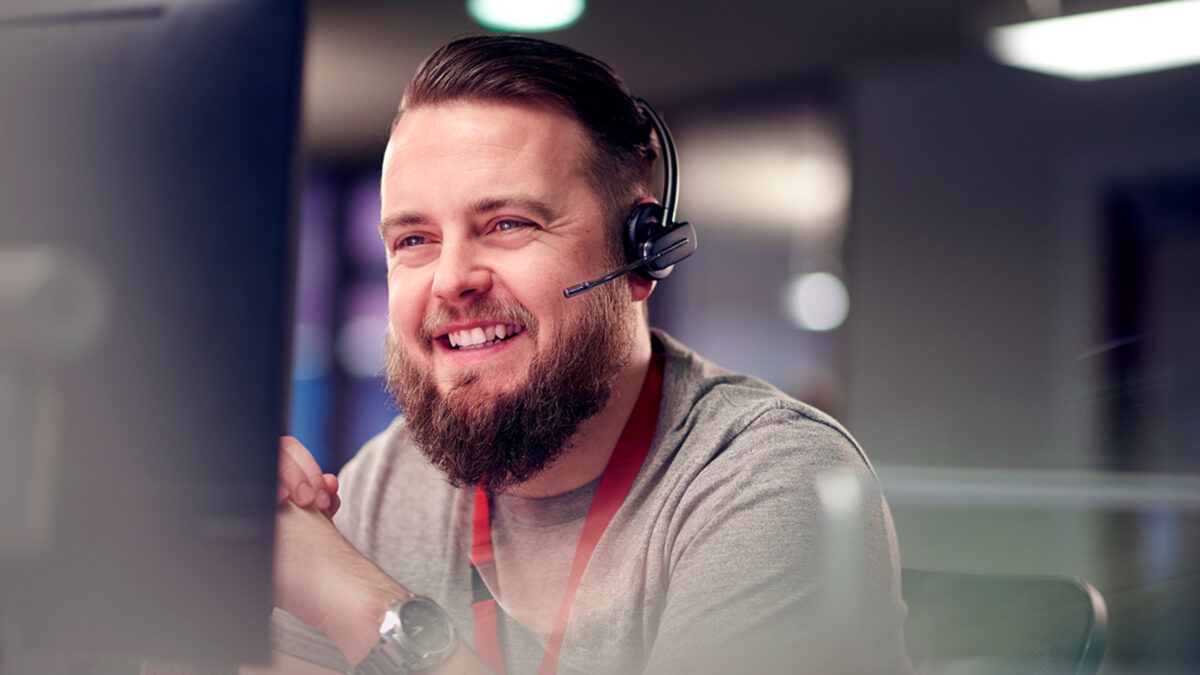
714,562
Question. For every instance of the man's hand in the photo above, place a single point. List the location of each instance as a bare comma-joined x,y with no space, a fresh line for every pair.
321,579
301,480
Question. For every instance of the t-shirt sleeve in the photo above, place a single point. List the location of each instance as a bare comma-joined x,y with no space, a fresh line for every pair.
296,638
750,589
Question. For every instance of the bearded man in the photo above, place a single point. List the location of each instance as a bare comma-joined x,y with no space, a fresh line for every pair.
567,490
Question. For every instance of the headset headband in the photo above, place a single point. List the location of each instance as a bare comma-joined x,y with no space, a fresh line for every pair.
670,161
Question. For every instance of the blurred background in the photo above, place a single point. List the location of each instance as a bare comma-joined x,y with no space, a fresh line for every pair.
990,274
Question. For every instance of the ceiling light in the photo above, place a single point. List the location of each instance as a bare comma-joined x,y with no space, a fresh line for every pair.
525,16
1110,43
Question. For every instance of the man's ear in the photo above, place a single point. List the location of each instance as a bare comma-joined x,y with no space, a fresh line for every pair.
640,287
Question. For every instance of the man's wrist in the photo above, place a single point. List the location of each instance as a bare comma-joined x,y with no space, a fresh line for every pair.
369,608
354,623
416,634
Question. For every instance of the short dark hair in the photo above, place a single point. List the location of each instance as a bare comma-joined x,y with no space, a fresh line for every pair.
518,69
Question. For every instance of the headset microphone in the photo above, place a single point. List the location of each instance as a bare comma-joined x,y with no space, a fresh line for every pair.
589,285
654,242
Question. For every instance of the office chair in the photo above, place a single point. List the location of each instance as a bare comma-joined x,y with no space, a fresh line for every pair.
976,624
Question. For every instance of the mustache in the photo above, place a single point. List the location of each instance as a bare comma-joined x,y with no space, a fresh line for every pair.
481,308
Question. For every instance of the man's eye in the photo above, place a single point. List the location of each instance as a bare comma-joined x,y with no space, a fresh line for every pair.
508,225
410,241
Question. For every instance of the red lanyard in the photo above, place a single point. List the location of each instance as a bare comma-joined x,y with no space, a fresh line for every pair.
614,485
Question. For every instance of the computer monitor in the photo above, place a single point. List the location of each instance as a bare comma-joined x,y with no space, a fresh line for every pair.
147,192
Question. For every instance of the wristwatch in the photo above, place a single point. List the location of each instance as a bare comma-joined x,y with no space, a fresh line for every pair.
416,633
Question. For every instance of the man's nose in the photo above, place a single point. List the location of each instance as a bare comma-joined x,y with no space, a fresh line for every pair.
460,274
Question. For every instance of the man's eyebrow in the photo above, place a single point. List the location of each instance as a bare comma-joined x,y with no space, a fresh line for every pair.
539,208
398,220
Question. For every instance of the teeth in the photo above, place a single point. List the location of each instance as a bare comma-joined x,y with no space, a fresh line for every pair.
479,336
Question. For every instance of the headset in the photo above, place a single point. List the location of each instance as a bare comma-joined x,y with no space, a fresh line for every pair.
654,241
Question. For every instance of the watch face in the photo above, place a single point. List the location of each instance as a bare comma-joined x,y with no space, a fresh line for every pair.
425,625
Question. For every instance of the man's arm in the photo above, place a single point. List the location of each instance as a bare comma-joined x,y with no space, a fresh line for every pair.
285,663
280,664
322,580
462,661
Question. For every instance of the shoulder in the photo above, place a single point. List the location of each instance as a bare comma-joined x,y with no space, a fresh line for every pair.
388,475
391,455
708,412
733,501
376,453
740,465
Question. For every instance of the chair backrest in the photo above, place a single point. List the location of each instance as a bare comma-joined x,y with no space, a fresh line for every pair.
984,624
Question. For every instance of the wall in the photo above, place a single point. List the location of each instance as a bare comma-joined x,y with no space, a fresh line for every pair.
978,335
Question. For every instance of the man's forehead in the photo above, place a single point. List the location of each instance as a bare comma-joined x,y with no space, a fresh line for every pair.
463,124
460,137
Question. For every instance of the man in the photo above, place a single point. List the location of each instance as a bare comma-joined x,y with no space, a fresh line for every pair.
573,491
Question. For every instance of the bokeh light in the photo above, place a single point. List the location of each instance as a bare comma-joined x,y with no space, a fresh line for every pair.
817,301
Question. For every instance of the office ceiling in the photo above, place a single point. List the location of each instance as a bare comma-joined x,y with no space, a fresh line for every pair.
361,52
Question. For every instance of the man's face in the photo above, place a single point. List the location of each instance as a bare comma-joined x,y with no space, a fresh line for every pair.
487,215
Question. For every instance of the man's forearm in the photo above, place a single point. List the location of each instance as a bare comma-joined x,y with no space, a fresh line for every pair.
360,632
354,617
324,581
285,664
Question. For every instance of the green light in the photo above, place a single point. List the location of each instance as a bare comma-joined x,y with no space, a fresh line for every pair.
525,16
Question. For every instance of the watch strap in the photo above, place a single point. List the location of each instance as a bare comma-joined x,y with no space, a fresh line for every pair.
382,660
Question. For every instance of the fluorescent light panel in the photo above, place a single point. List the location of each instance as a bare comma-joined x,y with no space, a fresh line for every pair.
525,16
1104,44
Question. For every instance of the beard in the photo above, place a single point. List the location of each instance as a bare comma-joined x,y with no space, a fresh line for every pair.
502,440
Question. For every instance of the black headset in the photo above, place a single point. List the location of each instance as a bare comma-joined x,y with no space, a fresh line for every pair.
654,241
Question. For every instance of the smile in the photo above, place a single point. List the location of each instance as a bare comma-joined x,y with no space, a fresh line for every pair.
483,336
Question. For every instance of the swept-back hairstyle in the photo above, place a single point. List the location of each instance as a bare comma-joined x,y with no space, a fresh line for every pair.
517,69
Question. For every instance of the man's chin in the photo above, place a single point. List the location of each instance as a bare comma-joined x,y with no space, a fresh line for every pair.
475,386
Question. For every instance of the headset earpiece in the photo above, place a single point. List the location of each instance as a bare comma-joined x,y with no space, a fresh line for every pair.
642,224
645,237
650,228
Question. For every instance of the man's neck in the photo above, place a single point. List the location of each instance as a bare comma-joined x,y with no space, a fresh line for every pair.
589,449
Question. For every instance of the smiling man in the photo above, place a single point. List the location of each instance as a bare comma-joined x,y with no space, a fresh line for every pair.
488,213
568,490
